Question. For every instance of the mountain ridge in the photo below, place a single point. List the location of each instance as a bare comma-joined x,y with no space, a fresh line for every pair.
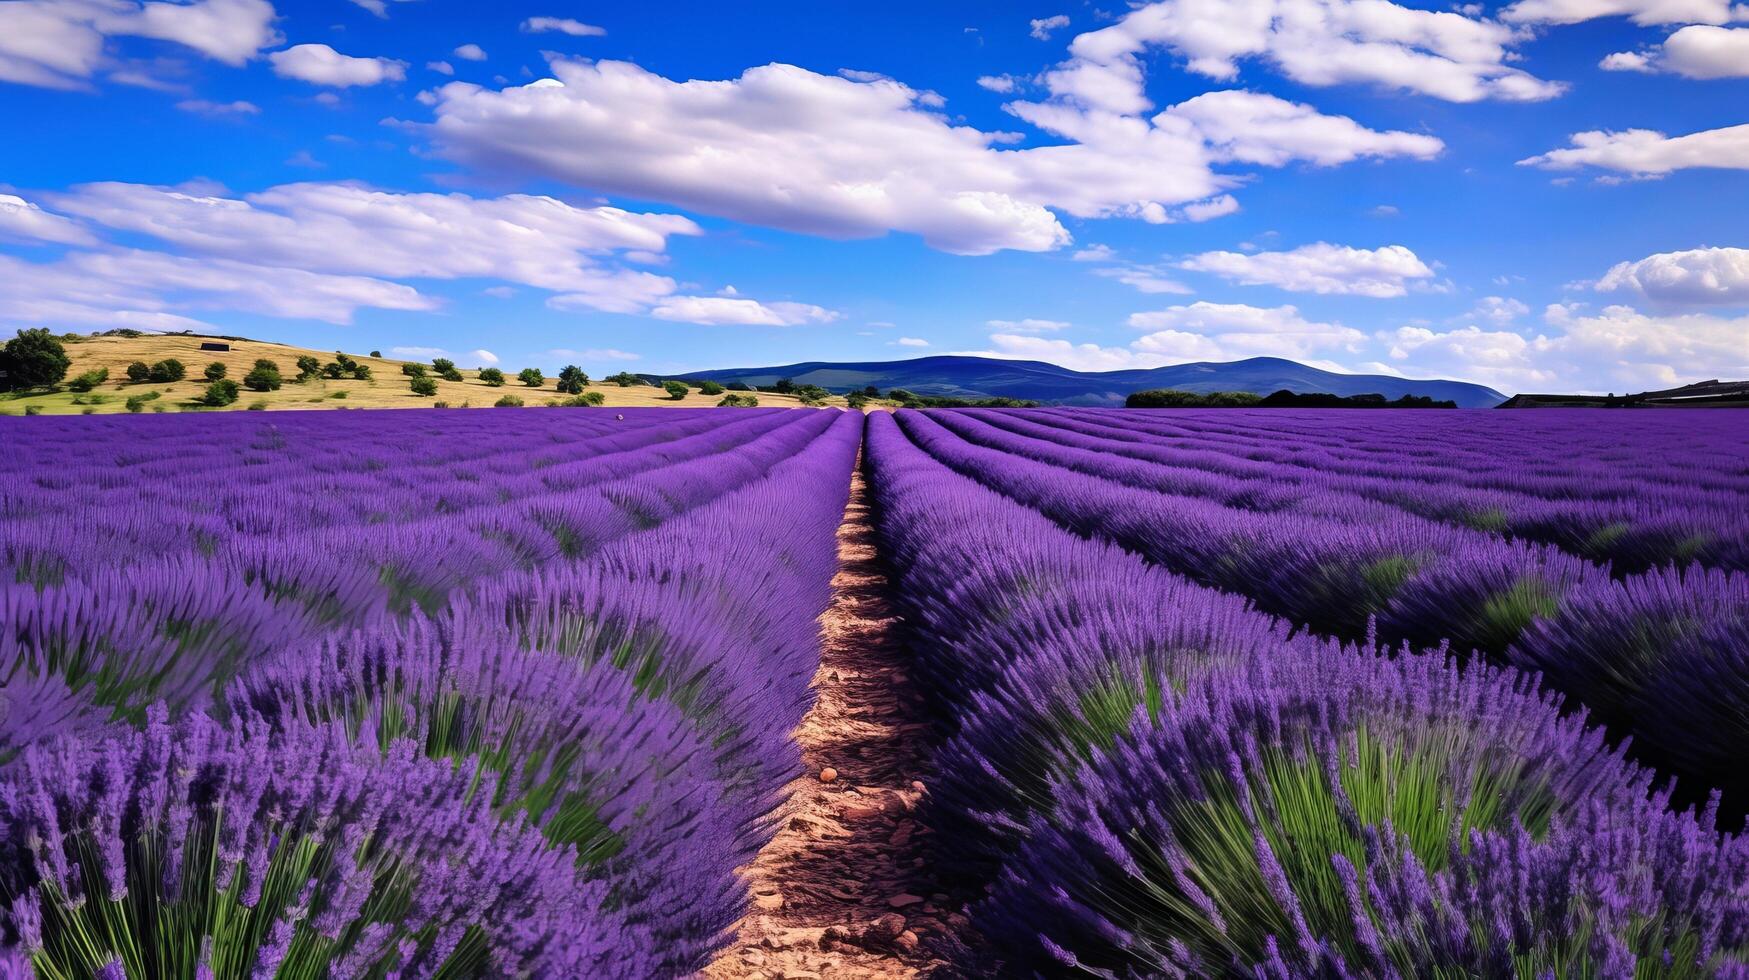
971,376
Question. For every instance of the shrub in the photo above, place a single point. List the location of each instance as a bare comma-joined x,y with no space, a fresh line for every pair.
450,375
33,409
871,392
167,371
587,399
739,386
675,389
531,377
264,377
784,386
88,411
709,388
625,379
856,399
508,401
139,372
336,394
89,380
90,399
422,385
345,361
376,353
361,371
333,370
413,370
308,367
220,393
442,365
812,395
34,359
901,395
492,377
258,406
440,404
739,401
572,379
135,404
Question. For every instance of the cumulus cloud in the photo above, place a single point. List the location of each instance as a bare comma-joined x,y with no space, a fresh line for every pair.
419,352
483,356
1153,280
1498,310
1319,268
61,43
1697,51
219,109
1498,358
1079,357
1205,330
910,342
471,52
1648,153
1043,26
716,310
1696,277
1642,12
352,228
1028,325
1003,84
593,354
320,64
788,148
1445,55
22,220
563,25
441,67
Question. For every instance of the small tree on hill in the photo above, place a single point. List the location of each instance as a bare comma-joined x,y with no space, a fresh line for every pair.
308,367
361,371
89,380
784,386
139,372
492,377
675,389
422,385
214,371
333,371
264,376
709,388
625,379
441,364
168,370
531,377
413,370
572,379
34,359
376,353
508,401
856,400
220,393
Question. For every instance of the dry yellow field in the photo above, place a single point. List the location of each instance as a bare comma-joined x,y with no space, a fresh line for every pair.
387,387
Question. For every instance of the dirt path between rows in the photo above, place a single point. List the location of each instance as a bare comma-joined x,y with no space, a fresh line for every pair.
842,890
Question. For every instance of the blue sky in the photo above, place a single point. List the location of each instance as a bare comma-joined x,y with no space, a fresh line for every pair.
1549,194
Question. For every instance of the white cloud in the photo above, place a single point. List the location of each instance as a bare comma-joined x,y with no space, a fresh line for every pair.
419,352
1696,277
219,109
471,52
1043,26
1079,357
563,25
1315,42
1095,253
483,356
715,310
1498,310
1250,127
1697,51
1648,153
86,287
1205,330
1642,12
1319,268
911,342
784,147
1028,325
21,220
594,354
441,67
1498,358
351,228
320,64
1150,279
1385,211
1211,209
61,43
997,83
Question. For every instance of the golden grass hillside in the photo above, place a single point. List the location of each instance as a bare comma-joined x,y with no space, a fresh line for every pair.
387,387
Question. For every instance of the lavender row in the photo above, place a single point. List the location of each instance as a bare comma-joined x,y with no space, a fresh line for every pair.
555,774
1155,780
1626,523
1426,583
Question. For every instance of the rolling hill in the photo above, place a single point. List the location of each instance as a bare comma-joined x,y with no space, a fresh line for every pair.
984,377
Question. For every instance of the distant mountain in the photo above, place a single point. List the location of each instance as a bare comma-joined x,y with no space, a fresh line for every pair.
988,377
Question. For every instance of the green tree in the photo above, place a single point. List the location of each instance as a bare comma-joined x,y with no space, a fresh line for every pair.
264,376
856,400
34,359
709,388
733,400
508,401
168,370
625,379
308,367
784,386
572,379
441,364
218,394
333,370
531,377
413,370
675,389
214,371
492,377
139,372
422,385
376,353
89,380
361,371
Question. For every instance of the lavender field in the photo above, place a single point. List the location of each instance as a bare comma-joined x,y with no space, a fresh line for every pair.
1202,693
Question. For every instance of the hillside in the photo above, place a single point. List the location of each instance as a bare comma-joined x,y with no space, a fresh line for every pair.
387,387
982,377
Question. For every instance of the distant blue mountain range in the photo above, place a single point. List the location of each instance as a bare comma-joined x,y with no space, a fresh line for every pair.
988,377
